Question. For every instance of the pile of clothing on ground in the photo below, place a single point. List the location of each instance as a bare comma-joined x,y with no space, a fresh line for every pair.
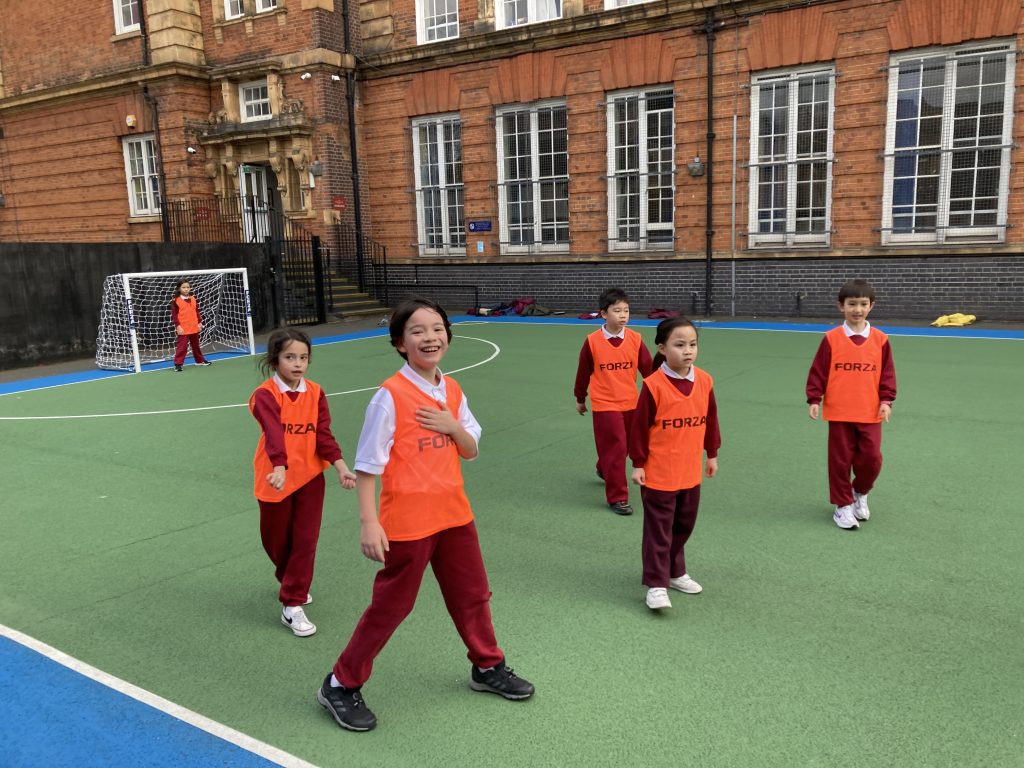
524,305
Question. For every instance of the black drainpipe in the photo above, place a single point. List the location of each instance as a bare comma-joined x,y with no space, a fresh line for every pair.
165,224
353,146
709,232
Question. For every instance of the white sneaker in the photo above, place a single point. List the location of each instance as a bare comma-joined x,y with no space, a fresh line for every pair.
309,599
295,619
845,518
860,506
685,584
657,597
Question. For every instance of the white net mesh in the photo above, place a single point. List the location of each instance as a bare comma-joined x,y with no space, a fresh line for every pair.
223,307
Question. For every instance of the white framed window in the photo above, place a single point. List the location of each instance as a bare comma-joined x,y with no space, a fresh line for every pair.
791,158
516,13
641,169
254,99
140,169
533,178
947,145
609,4
233,9
440,194
436,20
262,6
126,16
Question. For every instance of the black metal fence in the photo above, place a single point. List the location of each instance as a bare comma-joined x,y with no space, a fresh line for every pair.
359,259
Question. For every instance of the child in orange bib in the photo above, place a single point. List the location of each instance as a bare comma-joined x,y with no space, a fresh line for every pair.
187,325
295,447
418,427
676,423
609,363
853,373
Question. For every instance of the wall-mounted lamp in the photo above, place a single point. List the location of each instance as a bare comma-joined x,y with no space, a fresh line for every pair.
130,120
696,167
316,169
191,150
335,78
305,76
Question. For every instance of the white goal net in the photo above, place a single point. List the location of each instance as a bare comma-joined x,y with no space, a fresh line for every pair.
135,319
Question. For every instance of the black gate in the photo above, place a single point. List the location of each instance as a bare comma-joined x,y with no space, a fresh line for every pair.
299,280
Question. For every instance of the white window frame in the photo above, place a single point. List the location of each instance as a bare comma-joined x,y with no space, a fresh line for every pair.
244,103
543,195
612,4
792,161
265,6
441,25
133,7
142,175
441,183
519,13
642,176
895,229
234,9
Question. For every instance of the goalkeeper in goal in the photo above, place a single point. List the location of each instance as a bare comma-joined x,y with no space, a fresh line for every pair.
187,325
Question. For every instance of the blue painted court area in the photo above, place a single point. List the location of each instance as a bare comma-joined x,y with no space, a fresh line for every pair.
53,716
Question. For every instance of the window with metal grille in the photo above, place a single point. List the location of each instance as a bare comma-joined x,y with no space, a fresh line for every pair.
436,20
533,178
791,158
440,194
140,170
641,169
948,141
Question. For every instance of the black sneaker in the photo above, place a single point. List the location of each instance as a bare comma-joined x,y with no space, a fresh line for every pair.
621,508
177,368
346,707
501,680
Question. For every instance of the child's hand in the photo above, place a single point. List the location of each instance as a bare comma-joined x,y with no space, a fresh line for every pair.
346,476
581,408
373,541
179,330
437,420
813,413
711,467
639,476
276,478
200,326
884,412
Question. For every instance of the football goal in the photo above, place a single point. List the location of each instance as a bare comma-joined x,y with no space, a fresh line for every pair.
135,319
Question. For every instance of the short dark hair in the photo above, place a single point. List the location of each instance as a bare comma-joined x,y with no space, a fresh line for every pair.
664,330
857,288
611,296
278,340
405,310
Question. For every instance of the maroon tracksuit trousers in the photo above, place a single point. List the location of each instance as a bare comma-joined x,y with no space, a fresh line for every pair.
290,529
856,447
669,517
181,346
611,436
454,555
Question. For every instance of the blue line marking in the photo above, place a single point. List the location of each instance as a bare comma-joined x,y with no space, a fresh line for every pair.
51,715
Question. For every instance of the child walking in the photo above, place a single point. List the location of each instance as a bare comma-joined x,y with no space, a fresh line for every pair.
295,447
418,426
610,360
853,372
187,324
676,421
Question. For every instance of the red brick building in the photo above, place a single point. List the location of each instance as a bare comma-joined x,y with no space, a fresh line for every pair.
554,147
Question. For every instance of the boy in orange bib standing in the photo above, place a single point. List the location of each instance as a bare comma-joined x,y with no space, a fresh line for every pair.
418,427
610,360
676,423
187,324
853,373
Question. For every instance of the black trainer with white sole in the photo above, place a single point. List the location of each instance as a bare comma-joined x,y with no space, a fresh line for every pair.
346,707
501,680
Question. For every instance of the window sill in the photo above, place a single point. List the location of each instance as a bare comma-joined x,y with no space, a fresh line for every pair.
149,218
131,34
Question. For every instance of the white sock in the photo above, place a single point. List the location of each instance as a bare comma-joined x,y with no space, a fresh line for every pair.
335,683
289,610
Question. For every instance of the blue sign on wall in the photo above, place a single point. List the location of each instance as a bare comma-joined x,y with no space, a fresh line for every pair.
480,226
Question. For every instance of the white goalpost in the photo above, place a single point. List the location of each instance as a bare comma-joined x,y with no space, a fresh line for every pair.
135,319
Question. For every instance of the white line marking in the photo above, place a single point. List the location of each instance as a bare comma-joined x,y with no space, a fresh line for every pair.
221,731
497,351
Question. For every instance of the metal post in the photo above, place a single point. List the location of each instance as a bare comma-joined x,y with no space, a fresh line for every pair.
318,280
